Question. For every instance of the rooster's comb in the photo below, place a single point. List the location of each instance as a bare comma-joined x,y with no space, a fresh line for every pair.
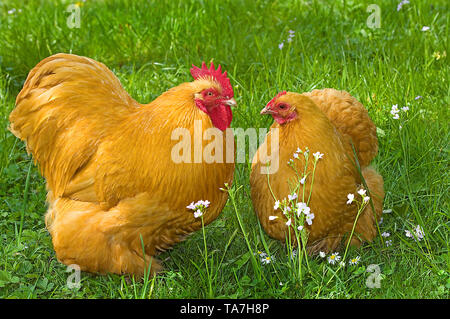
276,97
217,75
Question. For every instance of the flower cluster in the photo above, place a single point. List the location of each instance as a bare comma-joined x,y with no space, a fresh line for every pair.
291,209
334,258
317,156
362,193
417,234
14,10
395,111
297,212
199,207
303,208
289,39
296,155
401,4
386,235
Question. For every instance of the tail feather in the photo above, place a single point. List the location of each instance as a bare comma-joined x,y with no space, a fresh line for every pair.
351,119
67,106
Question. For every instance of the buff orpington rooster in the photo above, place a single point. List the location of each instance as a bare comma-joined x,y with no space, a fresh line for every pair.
327,123
114,189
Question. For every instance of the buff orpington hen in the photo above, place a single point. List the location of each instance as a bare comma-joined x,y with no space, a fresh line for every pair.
333,126
114,189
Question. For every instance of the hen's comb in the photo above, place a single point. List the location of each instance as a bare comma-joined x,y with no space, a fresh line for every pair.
276,97
221,78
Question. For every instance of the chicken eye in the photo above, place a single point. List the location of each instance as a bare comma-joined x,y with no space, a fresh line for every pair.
209,93
282,106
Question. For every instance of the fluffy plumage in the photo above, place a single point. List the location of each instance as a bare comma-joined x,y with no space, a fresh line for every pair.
325,121
112,185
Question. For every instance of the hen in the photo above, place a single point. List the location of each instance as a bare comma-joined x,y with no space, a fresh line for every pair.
114,189
326,122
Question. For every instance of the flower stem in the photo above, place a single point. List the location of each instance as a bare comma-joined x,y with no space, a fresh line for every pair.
210,293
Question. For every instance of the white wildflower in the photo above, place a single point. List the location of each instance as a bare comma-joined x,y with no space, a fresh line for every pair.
277,205
400,5
266,259
302,181
333,258
317,155
425,28
198,213
273,217
322,254
354,261
385,234
198,207
419,232
394,112
303,208
309,218
205,203
292,197
362,192
261,254
351,198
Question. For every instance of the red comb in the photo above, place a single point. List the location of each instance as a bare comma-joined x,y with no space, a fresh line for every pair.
217,75
276,97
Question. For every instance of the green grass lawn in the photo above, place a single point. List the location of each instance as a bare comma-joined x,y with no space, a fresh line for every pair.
150,46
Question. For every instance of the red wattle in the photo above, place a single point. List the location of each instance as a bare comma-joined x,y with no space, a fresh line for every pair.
221,116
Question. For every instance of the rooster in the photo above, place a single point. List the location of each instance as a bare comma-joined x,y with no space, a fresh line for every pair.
116,197
334,126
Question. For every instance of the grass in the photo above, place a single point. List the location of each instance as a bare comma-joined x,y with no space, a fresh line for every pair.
150,46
